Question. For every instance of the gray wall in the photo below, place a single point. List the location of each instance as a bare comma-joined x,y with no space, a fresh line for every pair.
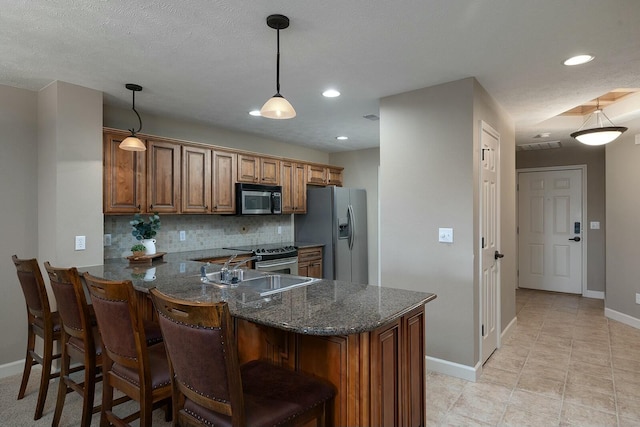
428,167
361,171
623,235
594,158
19,210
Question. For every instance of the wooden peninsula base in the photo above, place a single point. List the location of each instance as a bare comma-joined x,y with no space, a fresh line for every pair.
379,375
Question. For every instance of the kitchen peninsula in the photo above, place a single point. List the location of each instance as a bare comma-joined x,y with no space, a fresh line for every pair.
367,340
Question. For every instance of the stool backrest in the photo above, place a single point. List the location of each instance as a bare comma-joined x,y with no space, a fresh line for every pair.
33,287
202,353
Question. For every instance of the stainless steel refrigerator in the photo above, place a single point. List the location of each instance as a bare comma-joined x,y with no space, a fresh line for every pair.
337,218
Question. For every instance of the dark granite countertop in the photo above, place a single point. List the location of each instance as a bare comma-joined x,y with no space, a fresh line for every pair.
324,307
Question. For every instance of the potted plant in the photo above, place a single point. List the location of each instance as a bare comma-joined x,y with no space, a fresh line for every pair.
145,231
138,249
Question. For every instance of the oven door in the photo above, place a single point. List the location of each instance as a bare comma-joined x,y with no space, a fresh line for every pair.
281,265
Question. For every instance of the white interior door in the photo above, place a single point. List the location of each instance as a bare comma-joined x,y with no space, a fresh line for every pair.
490,240
550,230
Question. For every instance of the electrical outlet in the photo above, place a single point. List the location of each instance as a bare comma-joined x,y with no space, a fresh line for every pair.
445,235
107,240
279,230
183,267
183,236
81,243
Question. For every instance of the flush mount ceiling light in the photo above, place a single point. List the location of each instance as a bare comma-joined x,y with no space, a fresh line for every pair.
342,138
600,134
330,93
278,107
578,60
132,142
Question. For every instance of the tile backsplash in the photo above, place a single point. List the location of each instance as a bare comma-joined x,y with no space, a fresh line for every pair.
202,232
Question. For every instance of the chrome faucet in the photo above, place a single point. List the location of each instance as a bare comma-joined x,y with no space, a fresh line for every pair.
244,261
225,276
203,272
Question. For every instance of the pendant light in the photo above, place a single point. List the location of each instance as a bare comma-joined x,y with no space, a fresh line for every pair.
600,134
278,107
132,142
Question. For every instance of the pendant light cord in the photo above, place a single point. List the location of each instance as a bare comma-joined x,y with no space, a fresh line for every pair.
133,132
278,65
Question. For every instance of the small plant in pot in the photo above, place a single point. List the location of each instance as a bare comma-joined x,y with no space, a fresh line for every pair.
138,249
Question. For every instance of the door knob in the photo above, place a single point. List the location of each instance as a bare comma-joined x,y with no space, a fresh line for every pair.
576,239
498,255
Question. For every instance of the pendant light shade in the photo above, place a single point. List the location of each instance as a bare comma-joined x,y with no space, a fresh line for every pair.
132,142
600,134
277,107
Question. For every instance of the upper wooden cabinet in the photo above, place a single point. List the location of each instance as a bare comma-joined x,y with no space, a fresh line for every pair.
187,177
258,170
294,187
324,175
163,177
224,189
124,177
196,179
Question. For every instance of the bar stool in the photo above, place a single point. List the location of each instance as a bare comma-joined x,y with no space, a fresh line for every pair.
41,322
130,365
209,386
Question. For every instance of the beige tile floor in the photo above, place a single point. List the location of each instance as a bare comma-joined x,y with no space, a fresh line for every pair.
564,365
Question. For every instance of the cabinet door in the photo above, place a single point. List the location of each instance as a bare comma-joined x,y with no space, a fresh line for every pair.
300,188
224,189
334,176
287,181
269,171
386,375
196,179
413,368
315,269
316,175
248,168
163,177
124,177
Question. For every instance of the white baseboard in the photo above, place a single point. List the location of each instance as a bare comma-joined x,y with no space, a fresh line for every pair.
12,368
594,294
453,369
511,327
622,318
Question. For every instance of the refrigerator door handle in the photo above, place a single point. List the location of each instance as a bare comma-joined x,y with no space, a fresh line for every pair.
352,227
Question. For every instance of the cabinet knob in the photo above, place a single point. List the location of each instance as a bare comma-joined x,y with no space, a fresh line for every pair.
150,207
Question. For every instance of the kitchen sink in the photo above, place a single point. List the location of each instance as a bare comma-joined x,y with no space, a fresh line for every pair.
256,281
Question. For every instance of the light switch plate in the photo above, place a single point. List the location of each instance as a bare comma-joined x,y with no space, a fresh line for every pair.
594,225
106,240
183,236
445,235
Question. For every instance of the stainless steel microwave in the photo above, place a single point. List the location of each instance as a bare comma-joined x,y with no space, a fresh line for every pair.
255,199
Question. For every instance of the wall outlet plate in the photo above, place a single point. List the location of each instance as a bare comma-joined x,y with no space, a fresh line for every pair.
445,235
81,243
106,241
183,235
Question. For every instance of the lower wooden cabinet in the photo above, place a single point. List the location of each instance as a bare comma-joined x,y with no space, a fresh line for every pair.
379,375
310,262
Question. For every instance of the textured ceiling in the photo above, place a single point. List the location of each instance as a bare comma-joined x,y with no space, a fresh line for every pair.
213,61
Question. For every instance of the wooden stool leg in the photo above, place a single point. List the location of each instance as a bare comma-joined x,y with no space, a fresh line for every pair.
107,393
28,362
47,358
88,394
62,386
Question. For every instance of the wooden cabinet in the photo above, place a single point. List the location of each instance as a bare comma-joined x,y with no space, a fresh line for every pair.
379,375
310,262
294,187
224,189
124,177
163,177
258,170
196,179
324,175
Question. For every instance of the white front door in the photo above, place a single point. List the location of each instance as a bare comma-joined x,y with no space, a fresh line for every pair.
490,239
550,230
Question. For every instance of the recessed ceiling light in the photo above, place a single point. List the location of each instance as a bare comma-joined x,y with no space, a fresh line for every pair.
579,59
255,113
342,138
330,93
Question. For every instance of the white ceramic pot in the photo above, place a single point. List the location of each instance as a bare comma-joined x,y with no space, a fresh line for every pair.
150,245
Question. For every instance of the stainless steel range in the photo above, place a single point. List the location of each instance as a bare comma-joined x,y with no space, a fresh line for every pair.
275,257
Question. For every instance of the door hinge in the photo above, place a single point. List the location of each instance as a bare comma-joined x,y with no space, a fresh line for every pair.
482,330
482,243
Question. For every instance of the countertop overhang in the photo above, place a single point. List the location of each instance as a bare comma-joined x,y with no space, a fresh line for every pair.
324,307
